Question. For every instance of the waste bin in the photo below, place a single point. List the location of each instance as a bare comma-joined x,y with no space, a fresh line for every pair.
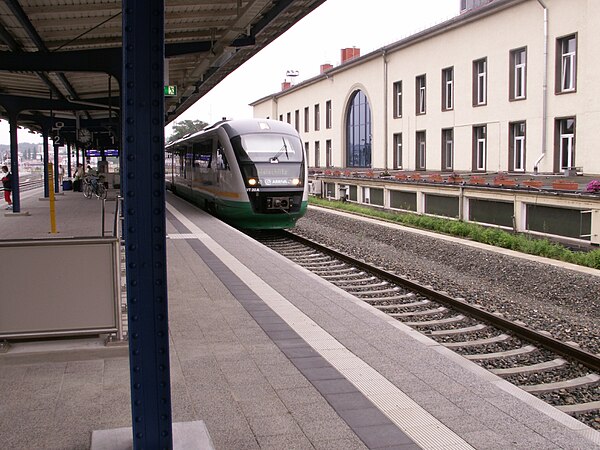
67,185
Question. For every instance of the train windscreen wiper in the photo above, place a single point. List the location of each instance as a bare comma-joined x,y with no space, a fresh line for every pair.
275,159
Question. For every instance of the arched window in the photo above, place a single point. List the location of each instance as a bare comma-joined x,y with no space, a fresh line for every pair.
358,132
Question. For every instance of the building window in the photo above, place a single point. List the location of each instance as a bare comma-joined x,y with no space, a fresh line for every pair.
420,151
448,89
516,151
565,143
297,119
421,94
306,153
358,131
397,99
289,118
328,160
328,114
479,148
448,149
518,74
306,120
398,151
317,117
566,64
281,117
480,82
317,154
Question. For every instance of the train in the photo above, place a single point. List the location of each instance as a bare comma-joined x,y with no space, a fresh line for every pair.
250,173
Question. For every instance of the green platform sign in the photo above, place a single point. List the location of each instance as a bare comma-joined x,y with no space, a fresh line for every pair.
170,91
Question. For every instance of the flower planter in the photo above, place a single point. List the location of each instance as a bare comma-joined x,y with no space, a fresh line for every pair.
477,180
503,182
400,176
533,184
455,179
436,178
565,185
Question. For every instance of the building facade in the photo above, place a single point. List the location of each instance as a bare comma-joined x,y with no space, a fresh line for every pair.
506,86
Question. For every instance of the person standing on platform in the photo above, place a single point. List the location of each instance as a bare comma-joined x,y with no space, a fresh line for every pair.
61,174
7,185
78,178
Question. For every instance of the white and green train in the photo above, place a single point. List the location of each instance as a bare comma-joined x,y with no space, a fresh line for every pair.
250,173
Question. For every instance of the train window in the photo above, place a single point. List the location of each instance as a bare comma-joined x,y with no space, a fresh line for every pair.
203,154
222,163
268,148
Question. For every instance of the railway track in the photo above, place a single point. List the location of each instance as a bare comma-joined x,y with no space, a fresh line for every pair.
560,373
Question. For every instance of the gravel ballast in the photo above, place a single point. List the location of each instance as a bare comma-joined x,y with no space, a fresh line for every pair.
545,297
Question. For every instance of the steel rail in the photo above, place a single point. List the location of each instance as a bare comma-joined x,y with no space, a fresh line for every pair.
588,359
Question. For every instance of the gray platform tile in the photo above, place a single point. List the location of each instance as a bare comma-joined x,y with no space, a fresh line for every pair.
319,410
287,442
382,436
310,362
563,439
488,440
282,326
266,407
334,386
273,425
303,351
285,379
89,367
230,352
233,429
338,444
317,430
268,319
298,395
364,417
281,335
321,373
348,401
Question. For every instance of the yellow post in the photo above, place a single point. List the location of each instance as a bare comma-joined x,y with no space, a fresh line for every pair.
51,191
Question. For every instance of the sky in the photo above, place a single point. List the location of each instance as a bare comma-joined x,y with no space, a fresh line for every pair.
315,40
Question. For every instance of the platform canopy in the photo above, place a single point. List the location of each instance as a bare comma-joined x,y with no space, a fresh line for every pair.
63,59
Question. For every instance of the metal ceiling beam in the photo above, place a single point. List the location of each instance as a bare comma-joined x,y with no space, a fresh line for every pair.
22,103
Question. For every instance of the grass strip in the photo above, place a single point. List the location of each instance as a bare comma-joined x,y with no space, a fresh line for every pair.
487,235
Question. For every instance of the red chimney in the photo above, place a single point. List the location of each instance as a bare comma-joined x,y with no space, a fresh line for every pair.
286,85
349,53
326,67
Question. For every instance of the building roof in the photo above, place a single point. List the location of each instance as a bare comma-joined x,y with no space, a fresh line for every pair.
57,55
460,20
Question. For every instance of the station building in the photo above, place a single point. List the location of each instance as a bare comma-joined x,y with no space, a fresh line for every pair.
505,86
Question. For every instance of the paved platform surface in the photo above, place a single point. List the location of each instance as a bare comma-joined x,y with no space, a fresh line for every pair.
268,356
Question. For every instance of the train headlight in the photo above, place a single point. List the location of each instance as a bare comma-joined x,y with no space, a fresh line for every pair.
295,181
252,181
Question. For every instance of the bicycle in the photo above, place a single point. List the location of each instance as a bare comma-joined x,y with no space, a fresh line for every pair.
93,185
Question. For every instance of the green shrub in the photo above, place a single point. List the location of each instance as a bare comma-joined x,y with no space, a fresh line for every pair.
475,232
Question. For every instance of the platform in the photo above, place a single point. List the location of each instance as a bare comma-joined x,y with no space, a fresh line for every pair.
268,355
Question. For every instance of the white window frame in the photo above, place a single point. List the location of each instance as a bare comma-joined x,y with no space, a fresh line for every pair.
448,89
448,150
567,65
518,147
422,149
480,147
422,93
481,80
398,150
398,98
566,139
520,74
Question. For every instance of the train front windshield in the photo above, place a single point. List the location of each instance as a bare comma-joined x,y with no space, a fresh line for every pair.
270,160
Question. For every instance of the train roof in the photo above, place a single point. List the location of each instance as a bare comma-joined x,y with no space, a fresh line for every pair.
241,126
